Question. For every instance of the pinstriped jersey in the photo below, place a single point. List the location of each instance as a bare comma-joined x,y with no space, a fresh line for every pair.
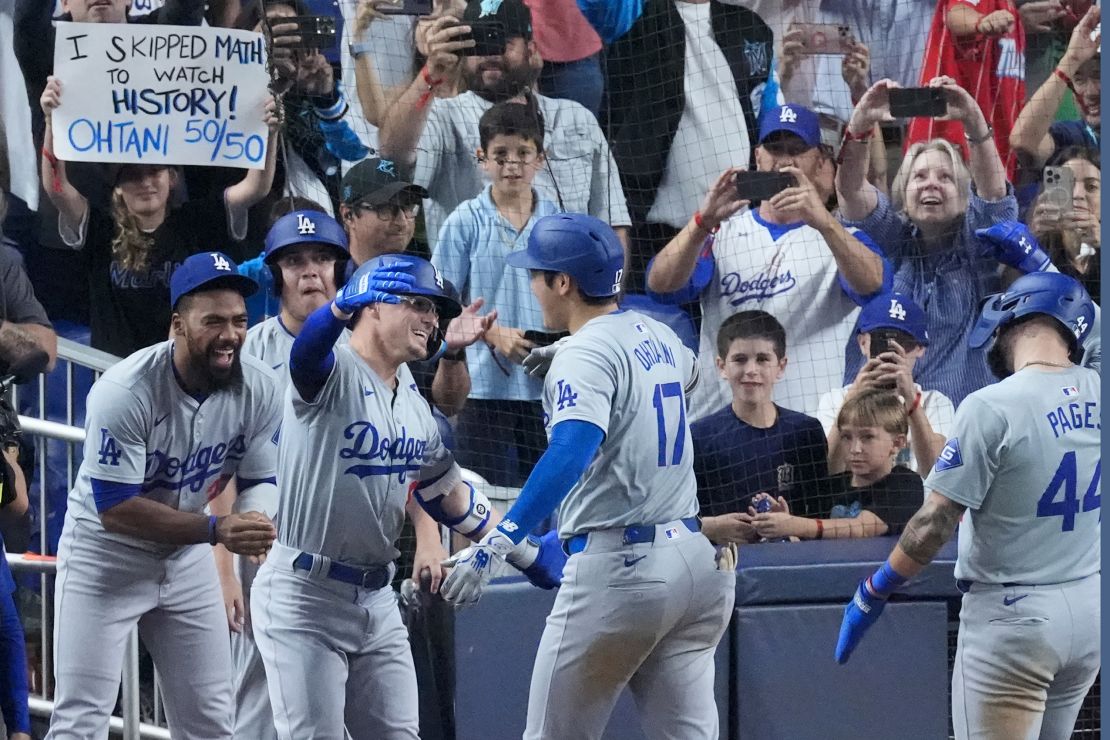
346,460
142,428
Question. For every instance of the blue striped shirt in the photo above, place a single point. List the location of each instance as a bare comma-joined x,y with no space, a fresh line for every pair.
949,285
470,253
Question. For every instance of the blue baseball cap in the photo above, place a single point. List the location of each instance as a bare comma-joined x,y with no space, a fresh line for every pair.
210,271
894,311
796,119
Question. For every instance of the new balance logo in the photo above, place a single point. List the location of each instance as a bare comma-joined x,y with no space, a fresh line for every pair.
787,115
897,310
305,225
220,262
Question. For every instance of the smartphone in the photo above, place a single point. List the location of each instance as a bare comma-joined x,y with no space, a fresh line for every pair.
917,102
544,338
315,31
881,341
825,38
407,7
1059,184
762,185
489,39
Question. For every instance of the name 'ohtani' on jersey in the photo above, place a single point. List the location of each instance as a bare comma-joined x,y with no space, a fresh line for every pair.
195,469
650,353
401,455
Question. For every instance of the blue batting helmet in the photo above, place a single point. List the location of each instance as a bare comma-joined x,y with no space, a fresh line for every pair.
304,227
1047,293
582,246
427,280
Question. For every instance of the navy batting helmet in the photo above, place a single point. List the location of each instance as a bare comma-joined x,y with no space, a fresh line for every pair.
582,246
1046,293
427,280
304,227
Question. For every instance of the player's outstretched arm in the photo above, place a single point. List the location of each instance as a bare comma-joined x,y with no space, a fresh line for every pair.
251,533
926,532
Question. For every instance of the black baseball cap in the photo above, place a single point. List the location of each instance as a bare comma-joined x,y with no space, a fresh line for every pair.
375,182
513,15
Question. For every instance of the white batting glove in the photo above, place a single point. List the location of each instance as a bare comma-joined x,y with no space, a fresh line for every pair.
539,359
471,568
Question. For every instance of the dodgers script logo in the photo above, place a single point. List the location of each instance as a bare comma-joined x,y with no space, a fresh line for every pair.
399,456
174,474
759,287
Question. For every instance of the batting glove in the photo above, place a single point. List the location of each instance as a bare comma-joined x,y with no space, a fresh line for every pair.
471,568
539,359
864,609
1015,245
546,567
384,284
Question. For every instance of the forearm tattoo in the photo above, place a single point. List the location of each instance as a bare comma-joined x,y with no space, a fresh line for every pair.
929,529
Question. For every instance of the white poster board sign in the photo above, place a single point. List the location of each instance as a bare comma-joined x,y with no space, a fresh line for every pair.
160,94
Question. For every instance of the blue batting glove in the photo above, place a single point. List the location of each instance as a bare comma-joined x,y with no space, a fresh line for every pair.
862,612
547,569
1015,245
472,568
383,284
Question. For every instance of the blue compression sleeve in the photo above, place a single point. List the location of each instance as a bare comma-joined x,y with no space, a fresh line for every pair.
13,658
107,493
571,449
311,359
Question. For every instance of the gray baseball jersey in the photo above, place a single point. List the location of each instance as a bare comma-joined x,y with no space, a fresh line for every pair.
1025,458
347,459
615,372
271,342
142,428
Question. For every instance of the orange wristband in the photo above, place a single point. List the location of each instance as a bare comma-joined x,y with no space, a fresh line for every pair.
820,529
700,223
915,405
1064,76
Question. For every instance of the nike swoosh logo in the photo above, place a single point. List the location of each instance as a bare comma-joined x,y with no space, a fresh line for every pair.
367,393
629,562
277,366
160,419
1010,601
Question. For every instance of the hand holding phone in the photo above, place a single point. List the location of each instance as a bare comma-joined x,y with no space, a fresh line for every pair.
917,102
1059,184
406,7
312,31
824,38
762,185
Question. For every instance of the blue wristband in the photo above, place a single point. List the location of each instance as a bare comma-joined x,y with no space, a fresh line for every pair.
212,520
885,581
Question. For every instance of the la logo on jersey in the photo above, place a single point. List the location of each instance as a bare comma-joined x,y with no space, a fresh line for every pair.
220,262
897,310
305,225
566,397
950,456
787,115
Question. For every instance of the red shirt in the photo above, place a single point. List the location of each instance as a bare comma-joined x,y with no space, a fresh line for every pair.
990,68
561,32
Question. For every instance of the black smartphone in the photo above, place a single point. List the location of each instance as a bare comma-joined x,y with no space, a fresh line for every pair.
544,338
489,39
314,31
917,102
762,185
407,7
881,341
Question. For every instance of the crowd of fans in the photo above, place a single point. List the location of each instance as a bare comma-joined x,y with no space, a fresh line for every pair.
833,314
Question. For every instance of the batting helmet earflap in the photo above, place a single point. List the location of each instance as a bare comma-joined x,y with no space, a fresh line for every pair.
584,247
426,278
1048,293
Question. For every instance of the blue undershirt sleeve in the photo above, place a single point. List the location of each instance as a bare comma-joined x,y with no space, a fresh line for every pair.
107,493
572,448
311,360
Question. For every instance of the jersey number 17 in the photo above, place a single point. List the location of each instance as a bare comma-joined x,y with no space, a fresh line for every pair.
1067,478
661,402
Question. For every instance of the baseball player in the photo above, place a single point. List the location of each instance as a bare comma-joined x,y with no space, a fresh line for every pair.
642,602
166,428
1024,462
355,439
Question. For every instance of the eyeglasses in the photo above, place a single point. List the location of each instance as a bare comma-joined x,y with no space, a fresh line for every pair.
389,211
522,159
420,304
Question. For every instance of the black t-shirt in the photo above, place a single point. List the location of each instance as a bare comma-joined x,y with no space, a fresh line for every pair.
17,299
130,310
894,499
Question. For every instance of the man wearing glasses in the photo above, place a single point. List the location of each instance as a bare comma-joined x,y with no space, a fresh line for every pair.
378,209
786,255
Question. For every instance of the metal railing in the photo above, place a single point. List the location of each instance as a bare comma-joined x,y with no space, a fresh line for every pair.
75,357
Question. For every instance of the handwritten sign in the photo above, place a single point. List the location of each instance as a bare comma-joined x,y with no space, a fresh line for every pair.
160,94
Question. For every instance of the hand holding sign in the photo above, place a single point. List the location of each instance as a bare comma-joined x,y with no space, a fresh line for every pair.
160,95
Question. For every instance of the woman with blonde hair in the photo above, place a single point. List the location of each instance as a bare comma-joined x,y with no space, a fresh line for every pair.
927,229
130,253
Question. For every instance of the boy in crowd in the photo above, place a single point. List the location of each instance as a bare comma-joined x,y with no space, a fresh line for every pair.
500,432
873,496
753,445
900,324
